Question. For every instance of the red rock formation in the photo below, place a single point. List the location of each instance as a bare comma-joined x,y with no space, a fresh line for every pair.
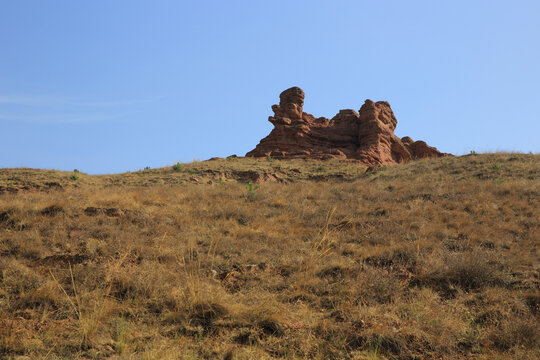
367,136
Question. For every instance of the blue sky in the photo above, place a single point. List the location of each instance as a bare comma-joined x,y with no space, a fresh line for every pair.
109,86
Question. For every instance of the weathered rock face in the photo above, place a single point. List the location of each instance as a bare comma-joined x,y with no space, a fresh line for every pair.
367,135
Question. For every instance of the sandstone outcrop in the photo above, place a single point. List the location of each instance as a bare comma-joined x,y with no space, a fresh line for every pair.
366,135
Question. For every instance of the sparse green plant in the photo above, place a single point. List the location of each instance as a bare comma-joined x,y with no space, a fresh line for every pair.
147,168
496,167
269,159
191,172
251,189
221,182
75,170
320,168
178,167
74,177
472,152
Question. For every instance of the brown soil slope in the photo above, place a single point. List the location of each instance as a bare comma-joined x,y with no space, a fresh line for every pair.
437,258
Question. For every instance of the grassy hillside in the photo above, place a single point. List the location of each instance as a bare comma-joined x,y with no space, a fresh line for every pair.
314,259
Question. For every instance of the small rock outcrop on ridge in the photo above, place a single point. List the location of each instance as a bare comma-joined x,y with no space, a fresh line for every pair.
367,135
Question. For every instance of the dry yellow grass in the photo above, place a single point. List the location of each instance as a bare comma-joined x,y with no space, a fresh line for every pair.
433,259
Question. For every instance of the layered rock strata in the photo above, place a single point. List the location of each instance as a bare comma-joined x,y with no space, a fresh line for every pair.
366,135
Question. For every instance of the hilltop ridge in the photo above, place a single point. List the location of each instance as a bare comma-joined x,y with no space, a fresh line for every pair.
264,170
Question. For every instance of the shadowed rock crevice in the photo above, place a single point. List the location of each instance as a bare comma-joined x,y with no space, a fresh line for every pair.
367,135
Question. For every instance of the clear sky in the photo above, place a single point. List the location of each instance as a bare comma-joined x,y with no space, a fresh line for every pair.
109,86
